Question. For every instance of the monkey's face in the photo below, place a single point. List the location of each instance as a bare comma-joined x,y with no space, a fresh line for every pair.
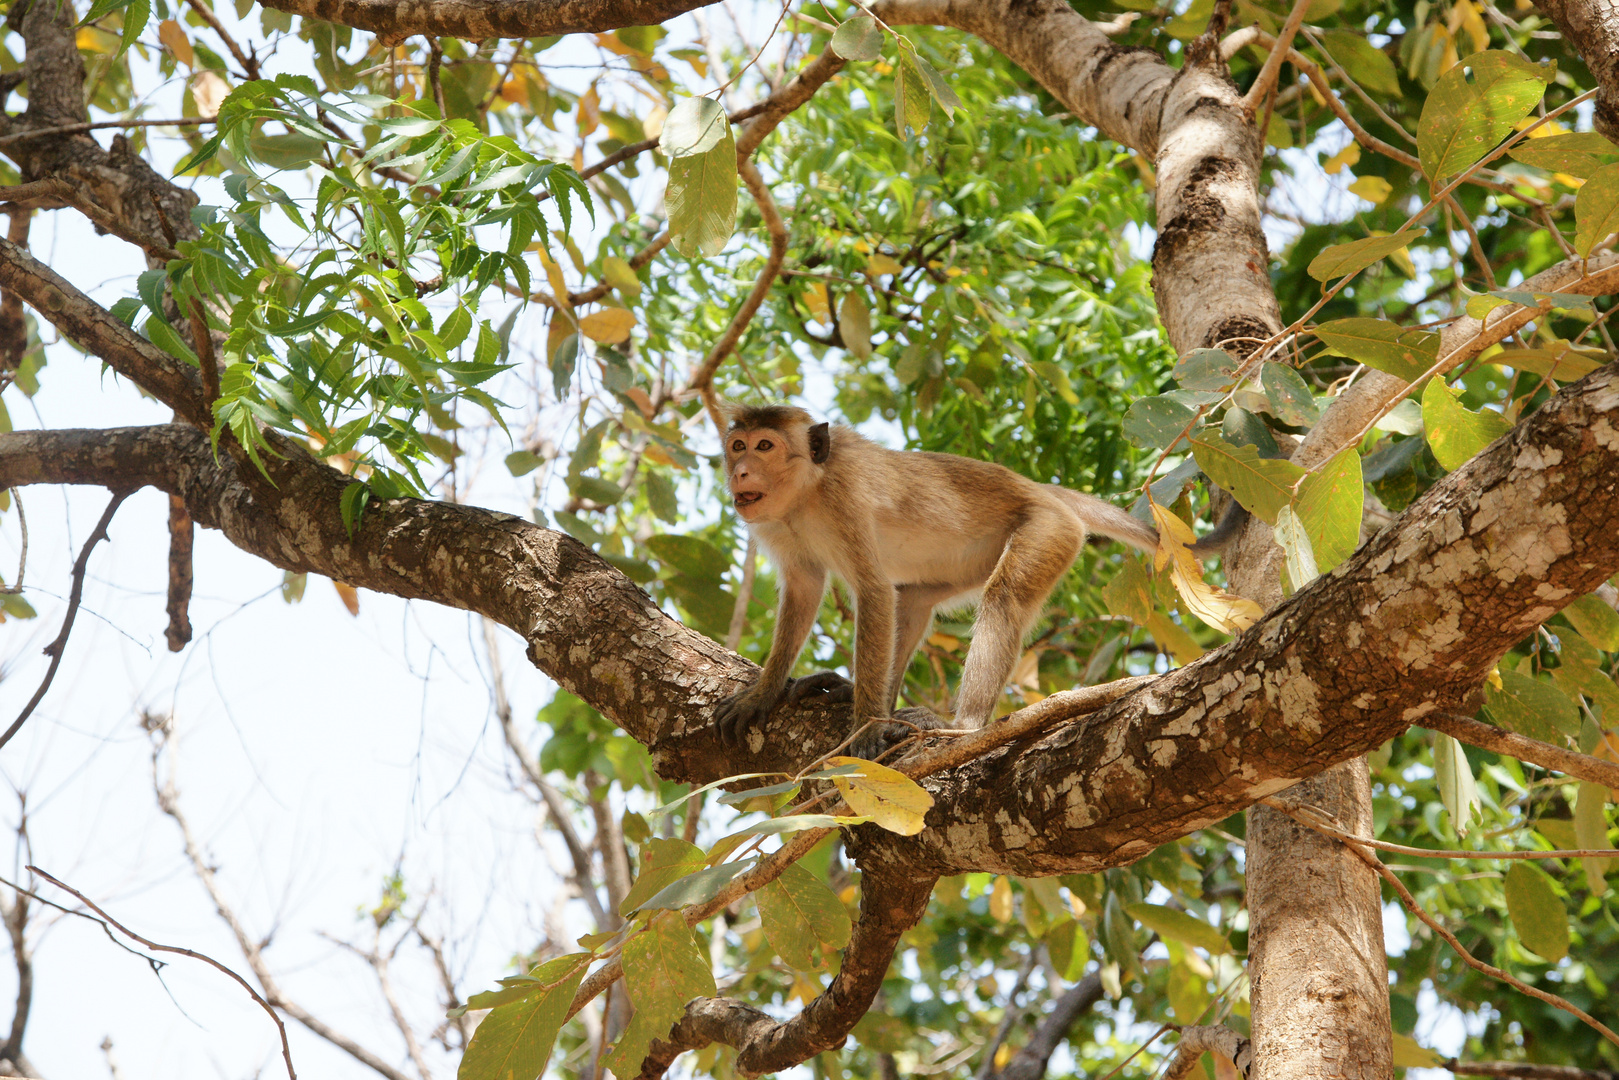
762,476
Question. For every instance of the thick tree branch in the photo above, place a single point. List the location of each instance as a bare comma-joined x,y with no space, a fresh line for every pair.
1591,28
394,21
1030,1062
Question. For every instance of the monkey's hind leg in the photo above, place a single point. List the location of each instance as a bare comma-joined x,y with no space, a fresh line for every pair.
1036,556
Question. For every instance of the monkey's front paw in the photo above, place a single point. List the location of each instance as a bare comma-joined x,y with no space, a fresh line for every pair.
734,716
826,687
884,735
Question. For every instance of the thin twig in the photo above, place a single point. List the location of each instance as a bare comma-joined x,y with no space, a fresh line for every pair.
74,129
739,613
286,1050
250,66
55,649
1315,819
1488,737
435,61
22,556
1266,82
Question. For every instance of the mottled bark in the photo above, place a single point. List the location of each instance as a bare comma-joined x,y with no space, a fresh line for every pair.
394,20
1591,28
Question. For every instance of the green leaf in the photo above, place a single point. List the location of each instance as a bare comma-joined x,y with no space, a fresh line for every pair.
1330,503
890,798
1562,362
562,364
663,970
1457,789
1294,539
1532,707
701,198
136,15
1207,369
1182,927
1263,486
1156,422
858,39
1405,354
913,103
663,862
1357,255
1365,62
522,462
596,489
1591,831
1537,913
1596,621
1596,210
1578,153
1455,433
637,571
697,887
690,555
287,151
1057,377
1290,399
694,126
515,1039
660,496
1118,935
801,915
1069,948
1473,107
938,88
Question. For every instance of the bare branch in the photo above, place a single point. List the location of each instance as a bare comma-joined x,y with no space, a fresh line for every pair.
1524,1070
474,20
1487,737
181,536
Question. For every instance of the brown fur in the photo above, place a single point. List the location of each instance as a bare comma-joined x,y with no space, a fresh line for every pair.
909,532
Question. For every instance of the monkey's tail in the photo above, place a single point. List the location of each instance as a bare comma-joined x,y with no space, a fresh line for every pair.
1108,520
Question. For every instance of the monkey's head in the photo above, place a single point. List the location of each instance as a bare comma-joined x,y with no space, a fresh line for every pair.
772,454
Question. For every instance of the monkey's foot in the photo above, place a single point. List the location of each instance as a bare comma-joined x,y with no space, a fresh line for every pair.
826,687
884,735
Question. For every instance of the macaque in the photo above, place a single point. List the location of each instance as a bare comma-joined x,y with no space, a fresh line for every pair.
909,532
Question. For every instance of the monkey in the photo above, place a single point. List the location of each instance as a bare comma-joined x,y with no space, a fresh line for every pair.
909,532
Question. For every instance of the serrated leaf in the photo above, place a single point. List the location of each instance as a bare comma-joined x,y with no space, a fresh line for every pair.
662,863
701,198
854,323
1576,153
515,1039
1596,621
1365,62
1263,486
694,126
800,913
1457,789
1207,369
890,798
1596,210
858,39
1532,707
1182,927
1290,399
609,325
1455,434
1405,354
1330,503
1591,831
1537,913
1156,422
1474,106
1357,255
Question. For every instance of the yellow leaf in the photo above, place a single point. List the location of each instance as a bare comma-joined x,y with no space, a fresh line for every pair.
944,641
561,326
1027,672
1000,899
1408,1053
880,264
590,111
815,299
652,123
1349,155
553,274
609,325
862,247
174,39
1222,610
208,90
890,798
349,595
1003,1055
1374,189
659,456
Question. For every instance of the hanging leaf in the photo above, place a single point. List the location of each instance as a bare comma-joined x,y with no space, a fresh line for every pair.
854,323
913,102
1532,707
1577,153
1224,611
1596,210
1596,621
1000,899
1290,399
1455,433
859,38
890,798
1263,486
515,1039
1591,831
1357,255
800,915
1069,948
1405,354
694,126
1473,107
1180,926
701,196
1294,539
1330,503
1454,775
1536,911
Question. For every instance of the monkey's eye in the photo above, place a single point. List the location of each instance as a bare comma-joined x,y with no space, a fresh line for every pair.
764,444
738,446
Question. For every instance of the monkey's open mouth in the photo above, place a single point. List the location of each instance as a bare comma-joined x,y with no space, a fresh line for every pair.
748,498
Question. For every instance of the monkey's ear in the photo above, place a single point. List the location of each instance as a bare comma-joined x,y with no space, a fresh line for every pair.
820,443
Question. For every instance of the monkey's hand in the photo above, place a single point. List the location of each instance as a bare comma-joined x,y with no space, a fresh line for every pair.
884,735
735,715
826,687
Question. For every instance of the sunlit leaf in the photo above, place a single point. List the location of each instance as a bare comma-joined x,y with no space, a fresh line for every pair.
1596,209
516,1037
1357,255
1576,153
609,325
800,915
663,970
1262,485
1591,831
1454,775
663,862
891,799
1596,621
1220,609
1330,503
1363,61
1473,107
1455,433
1182,927
1383,345
701,197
